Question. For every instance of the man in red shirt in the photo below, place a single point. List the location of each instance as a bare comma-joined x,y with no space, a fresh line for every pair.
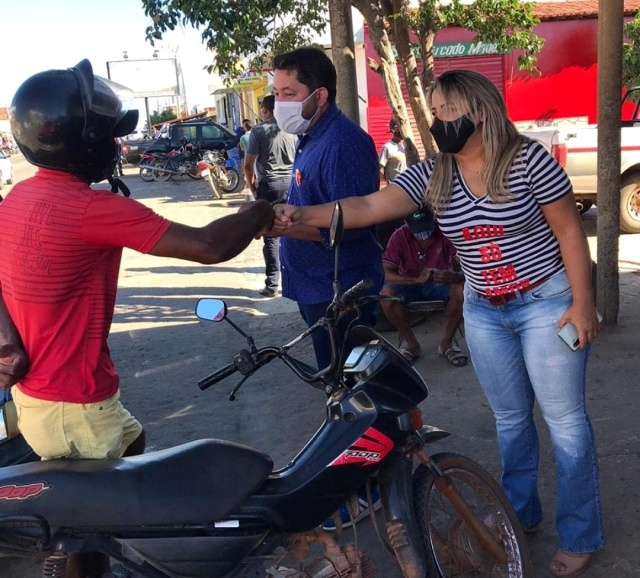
418,266
62,244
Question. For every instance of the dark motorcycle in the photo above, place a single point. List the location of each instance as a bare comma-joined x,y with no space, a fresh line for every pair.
217,509
149,162
179,162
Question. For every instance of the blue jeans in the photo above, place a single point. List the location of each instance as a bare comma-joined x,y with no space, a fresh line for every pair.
519,358
272,191
426,292
16,451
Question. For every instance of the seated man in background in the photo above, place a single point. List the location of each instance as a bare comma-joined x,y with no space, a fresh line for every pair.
418,266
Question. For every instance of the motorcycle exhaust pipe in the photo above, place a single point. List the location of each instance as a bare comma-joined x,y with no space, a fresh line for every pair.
160,170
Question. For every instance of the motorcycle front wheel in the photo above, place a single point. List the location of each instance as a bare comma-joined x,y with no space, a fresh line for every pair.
454,548
232,180
213,185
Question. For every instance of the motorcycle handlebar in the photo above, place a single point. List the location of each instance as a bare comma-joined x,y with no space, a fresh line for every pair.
350,295
217,376
305,372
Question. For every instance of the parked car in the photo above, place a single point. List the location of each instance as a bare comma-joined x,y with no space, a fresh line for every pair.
209,135
133,148
6,171
576,148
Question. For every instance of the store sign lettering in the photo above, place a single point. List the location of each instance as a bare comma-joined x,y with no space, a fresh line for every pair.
457,49
454,49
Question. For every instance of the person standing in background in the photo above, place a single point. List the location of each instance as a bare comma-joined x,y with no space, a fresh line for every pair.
267,169
240,131
392,155
244,139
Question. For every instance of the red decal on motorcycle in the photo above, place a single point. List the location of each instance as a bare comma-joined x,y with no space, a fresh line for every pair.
369,449
14,492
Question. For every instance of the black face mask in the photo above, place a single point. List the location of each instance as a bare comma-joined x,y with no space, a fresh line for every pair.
451,138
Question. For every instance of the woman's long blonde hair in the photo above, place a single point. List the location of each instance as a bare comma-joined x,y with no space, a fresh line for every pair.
474,94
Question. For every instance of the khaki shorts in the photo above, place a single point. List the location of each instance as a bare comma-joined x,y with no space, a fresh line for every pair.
57,429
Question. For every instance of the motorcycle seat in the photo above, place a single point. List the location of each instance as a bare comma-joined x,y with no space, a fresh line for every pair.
200,481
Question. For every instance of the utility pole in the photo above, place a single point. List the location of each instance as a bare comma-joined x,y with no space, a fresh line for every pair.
610,28
344,58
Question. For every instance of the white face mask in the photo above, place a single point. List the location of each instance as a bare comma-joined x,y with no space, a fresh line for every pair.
288,115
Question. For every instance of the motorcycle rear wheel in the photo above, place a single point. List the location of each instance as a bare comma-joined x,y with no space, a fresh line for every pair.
147,174
453,547
193,171
162,175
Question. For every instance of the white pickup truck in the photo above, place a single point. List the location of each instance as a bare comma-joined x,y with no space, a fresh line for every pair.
576,148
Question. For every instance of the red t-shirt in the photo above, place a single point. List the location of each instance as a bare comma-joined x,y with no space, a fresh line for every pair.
402,251
61,244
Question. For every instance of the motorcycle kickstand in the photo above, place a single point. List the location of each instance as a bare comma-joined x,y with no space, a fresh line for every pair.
447,488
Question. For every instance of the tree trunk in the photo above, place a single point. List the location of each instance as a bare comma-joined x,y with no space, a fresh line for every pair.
387,67
609,87
417,101
344,58
427,37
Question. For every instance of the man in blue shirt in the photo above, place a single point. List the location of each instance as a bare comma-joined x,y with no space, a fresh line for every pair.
334,159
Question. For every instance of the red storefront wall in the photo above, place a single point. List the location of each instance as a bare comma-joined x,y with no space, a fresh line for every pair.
564,88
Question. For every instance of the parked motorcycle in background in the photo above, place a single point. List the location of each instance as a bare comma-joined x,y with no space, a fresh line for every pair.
181,162
221,176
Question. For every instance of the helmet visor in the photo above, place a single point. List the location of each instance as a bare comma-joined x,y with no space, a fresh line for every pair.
106,105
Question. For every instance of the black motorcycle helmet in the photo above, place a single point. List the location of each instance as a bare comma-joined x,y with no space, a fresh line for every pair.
67,120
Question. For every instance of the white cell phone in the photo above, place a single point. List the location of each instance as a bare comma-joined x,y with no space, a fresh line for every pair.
569,334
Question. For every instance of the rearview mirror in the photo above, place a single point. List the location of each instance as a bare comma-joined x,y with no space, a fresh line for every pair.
211,309
336,227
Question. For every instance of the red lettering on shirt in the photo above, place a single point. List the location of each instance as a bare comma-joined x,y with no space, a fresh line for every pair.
483,232
511,288
298,177
500,275
490,252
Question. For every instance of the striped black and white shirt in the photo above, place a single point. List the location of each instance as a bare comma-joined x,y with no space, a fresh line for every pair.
503,247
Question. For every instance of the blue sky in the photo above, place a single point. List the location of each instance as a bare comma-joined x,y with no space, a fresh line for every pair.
43,34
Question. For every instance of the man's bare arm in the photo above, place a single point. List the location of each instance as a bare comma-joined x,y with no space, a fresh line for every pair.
218,241
13,359
249,175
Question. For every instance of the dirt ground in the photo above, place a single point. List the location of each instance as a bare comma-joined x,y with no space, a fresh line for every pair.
162,350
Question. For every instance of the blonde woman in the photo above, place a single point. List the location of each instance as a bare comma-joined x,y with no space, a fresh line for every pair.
508,208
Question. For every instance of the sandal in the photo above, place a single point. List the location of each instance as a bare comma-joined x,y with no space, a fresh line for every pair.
568,564
409,355
454,356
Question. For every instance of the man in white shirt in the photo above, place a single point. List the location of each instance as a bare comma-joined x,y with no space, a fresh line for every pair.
392,156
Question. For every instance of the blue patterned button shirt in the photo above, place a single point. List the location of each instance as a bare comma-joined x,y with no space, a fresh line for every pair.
334,160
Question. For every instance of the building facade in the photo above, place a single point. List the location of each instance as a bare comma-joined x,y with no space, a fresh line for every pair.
564,90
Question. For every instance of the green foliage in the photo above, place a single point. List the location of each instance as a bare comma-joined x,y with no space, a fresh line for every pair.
162,116
240,34
631,53
508,23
